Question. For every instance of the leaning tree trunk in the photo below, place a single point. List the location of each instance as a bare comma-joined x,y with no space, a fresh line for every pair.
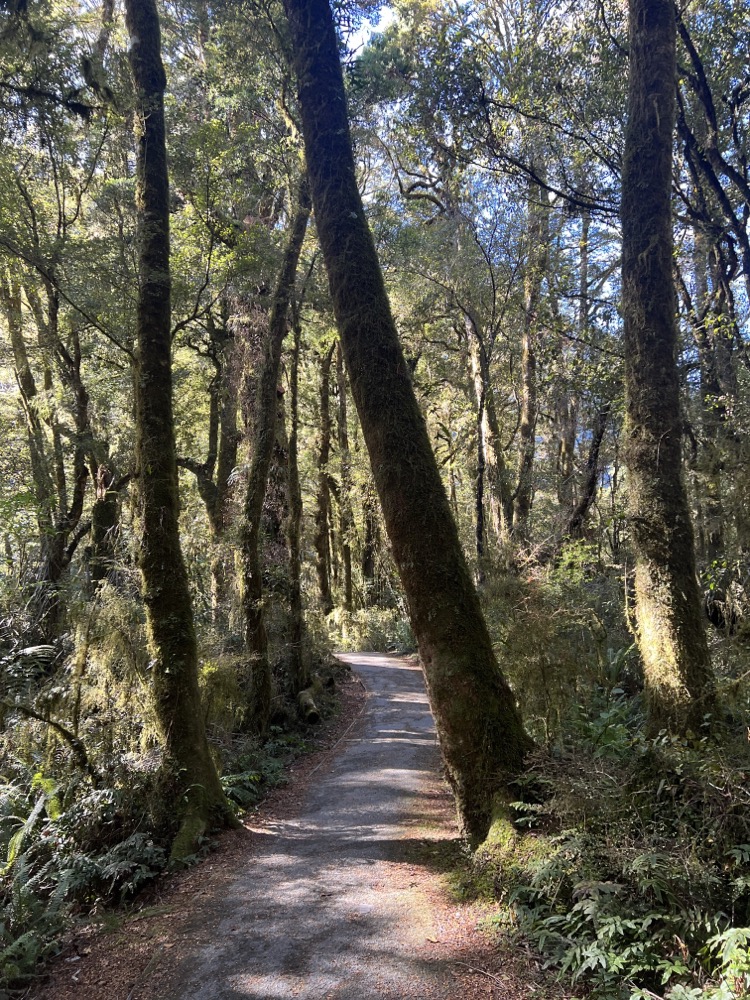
197,794
258,671
679,683
480,730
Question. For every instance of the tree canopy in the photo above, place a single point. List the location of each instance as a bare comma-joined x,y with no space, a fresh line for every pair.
420,327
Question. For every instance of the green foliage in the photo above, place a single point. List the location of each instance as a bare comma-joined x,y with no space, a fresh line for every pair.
60,858
252,768
630,868
384,630
559,633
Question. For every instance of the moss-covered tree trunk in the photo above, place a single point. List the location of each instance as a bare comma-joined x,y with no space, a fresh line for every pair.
299,673
671,637
370,545
213,474
537,242
258,669
197,794
224,438
105,526
714,467
576,521
323,498
496,469
346,515
480,731
56,520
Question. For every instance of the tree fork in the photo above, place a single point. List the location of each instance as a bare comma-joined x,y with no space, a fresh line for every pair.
480,730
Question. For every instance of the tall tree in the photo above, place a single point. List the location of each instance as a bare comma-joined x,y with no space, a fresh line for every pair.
480,730
266,412
671,637
346,517
298,666
197,792
322,539
537,237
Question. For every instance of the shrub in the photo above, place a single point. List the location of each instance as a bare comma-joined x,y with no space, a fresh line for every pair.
630,865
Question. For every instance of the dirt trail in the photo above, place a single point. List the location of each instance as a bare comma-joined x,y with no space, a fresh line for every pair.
319,912
338,899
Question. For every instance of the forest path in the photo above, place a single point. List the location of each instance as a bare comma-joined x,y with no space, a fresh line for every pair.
331,892
331,905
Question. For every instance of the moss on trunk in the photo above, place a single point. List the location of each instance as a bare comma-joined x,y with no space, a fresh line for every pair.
346,515
198,797
321,538
679,683
298,669
480,731
258,671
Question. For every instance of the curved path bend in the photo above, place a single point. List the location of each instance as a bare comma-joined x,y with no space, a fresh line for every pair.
331,906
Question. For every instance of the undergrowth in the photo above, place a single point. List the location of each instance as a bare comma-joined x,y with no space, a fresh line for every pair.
627,863
82,819
381,630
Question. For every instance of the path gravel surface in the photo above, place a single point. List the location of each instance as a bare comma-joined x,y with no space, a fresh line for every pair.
332,892
326,908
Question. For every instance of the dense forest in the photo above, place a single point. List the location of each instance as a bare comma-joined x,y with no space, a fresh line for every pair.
413,328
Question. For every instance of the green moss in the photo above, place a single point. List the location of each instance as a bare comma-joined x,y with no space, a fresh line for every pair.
184,844
503,862
501,834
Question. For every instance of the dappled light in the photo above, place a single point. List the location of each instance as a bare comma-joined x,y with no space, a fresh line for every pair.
331,902
374,500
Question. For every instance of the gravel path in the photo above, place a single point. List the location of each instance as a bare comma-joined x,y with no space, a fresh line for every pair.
329,906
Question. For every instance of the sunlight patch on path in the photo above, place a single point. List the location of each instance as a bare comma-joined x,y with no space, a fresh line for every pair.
329,906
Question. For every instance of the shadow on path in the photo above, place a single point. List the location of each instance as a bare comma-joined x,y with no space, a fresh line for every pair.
331,904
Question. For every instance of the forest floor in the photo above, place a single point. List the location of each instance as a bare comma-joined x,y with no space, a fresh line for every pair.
335,889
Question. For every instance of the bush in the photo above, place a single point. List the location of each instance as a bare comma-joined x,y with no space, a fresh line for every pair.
559,634
630,865
380,630
60,858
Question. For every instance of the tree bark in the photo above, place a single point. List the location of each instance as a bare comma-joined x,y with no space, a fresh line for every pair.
323,499
577,519
346,517
488,427
105,524
566,403
46,607
299,677
198,798
679,683
258,669
370,542
213,475
480,730
537,237
713,412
